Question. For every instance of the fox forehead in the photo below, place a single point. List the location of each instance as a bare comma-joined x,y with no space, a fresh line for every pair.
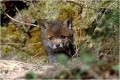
57,29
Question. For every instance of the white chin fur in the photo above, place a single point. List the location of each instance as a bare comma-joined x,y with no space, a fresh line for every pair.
61,45
54,47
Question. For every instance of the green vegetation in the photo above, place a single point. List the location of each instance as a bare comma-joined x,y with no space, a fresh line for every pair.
30,75
62,58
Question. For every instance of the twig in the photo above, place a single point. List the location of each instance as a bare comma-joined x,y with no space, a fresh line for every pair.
10,44
35,43
81,4
18,44
77,3
20,16
76,52
20,21
33,6
38,53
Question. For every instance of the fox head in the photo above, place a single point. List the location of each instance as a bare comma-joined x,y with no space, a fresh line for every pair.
57,35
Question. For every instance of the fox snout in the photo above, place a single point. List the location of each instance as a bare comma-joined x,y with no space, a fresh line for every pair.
58,46
57,43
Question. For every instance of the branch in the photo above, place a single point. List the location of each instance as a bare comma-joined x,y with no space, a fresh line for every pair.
20,16
79,4
20,21
11,44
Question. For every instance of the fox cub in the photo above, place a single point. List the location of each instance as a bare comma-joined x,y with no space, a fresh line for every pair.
57,37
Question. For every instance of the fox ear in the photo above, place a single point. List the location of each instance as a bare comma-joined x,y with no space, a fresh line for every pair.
44,25
68,23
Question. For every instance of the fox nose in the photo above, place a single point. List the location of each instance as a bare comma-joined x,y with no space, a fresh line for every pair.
57,45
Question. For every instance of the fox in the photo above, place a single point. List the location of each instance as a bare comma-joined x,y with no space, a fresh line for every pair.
57,38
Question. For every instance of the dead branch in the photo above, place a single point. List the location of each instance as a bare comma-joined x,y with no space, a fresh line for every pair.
20,21
11,44
20,16
79,4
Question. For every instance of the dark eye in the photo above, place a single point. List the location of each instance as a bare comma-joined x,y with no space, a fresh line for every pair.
50,38
63,36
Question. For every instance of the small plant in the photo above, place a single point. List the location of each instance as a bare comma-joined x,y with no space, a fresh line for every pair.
30,75
62,58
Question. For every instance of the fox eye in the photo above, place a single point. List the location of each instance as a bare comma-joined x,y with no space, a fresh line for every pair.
50,38
63,36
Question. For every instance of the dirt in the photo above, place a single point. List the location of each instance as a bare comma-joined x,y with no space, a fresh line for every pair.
10,69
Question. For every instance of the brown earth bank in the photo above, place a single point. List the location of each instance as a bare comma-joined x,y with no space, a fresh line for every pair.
17,70
10,69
